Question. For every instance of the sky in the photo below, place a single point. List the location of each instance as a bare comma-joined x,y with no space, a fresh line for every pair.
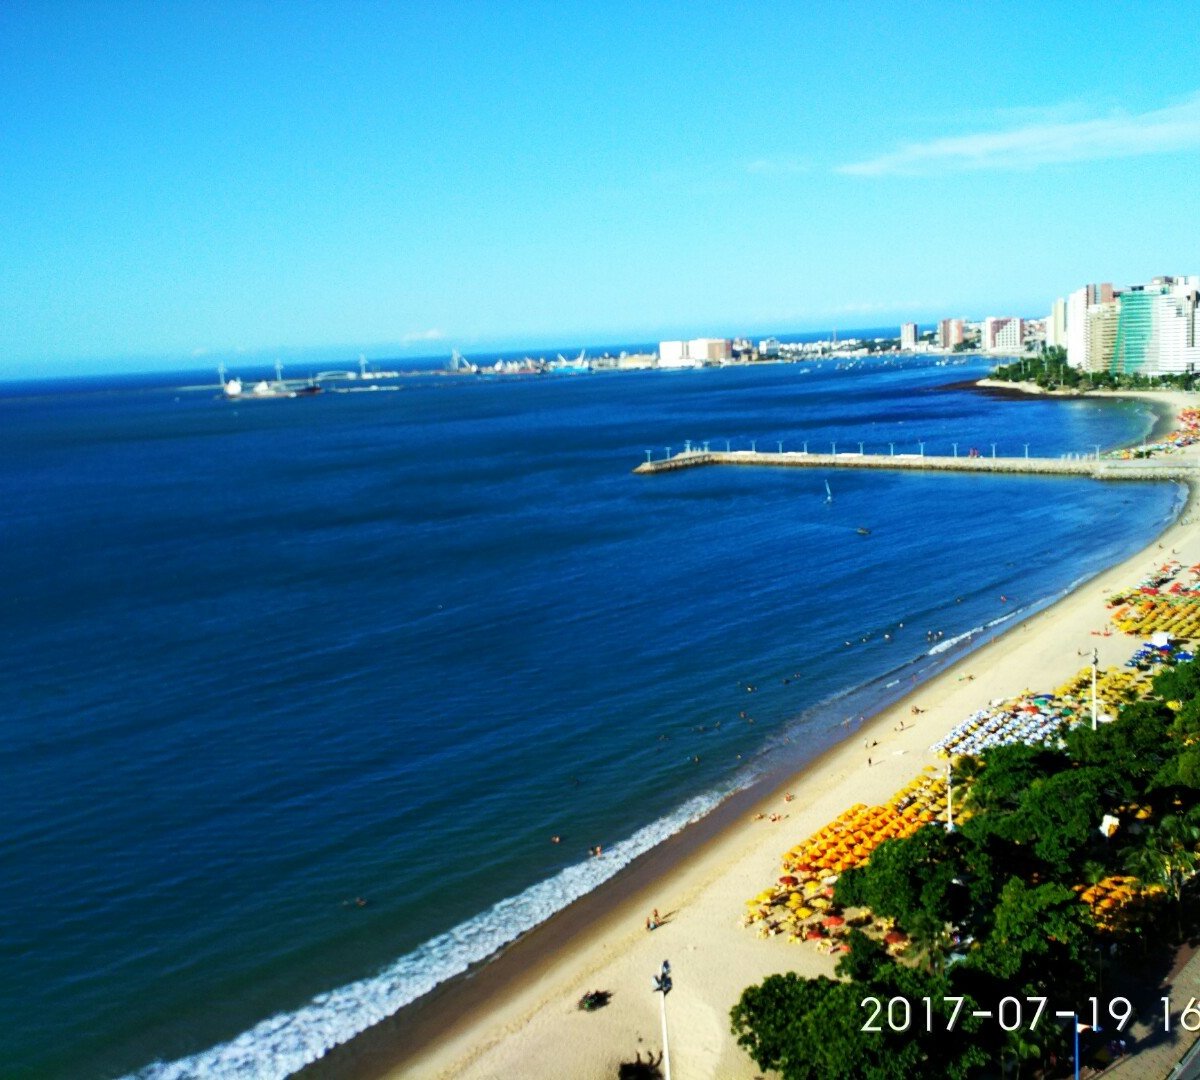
190,182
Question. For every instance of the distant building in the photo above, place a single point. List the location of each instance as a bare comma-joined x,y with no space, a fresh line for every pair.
1078,335
1002,335
950,333
694,353
1056,325
769,347
908,336
1147,329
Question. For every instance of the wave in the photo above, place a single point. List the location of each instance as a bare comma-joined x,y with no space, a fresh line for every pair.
949,643
285,1043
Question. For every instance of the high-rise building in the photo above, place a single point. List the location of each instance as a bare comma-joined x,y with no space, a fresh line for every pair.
1056,325
1144,329
950,333
1002,335
908,336
1079,346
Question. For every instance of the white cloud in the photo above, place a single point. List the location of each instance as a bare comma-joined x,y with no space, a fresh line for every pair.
1119,134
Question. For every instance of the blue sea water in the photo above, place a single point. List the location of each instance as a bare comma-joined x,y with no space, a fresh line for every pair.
264,658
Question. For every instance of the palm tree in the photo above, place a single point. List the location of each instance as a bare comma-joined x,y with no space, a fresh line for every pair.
931,939
1019,1046
1168,858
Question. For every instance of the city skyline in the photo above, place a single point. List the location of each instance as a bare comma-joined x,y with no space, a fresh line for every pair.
190,184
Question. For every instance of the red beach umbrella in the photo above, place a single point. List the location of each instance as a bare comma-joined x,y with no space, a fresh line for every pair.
895,937
788,879
835,920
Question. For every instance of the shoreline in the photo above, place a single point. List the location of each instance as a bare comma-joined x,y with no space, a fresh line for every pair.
1165,421
517,1009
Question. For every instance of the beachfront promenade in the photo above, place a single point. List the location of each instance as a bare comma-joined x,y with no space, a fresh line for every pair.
1156,468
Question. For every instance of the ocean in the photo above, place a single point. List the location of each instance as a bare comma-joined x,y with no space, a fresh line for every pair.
266,660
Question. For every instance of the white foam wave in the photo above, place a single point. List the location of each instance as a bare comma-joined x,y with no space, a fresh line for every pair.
285,1043
942,646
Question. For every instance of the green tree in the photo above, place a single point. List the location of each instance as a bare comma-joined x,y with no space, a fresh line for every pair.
1041,943
1168,857
818,1029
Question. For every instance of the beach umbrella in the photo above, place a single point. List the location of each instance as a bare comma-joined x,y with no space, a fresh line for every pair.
834,920
789,879
895,937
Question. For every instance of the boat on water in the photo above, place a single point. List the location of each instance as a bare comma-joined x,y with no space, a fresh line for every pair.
233,389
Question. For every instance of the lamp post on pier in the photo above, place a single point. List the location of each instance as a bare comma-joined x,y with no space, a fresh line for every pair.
1097,446
922,446
806,446
993,451
892,449
1026,451
647,457
860,449
781,446
833,448
955,445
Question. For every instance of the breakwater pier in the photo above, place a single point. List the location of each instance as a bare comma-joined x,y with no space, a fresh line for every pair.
1098,468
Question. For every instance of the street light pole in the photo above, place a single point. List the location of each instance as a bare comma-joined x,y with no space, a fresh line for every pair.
955,445
993,451
1095,668
662,985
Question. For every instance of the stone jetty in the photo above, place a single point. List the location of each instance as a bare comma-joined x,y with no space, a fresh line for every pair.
1150,468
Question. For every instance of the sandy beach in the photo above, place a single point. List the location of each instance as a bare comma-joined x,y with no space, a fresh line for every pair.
517,1016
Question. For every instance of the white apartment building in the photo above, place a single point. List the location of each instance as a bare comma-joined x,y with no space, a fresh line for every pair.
694,353
908,336
1056,325
1003,334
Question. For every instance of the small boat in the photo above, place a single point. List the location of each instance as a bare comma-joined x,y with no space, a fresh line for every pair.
863,532
828,492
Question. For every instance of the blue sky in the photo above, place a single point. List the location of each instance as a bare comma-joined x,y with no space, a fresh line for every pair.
185,182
